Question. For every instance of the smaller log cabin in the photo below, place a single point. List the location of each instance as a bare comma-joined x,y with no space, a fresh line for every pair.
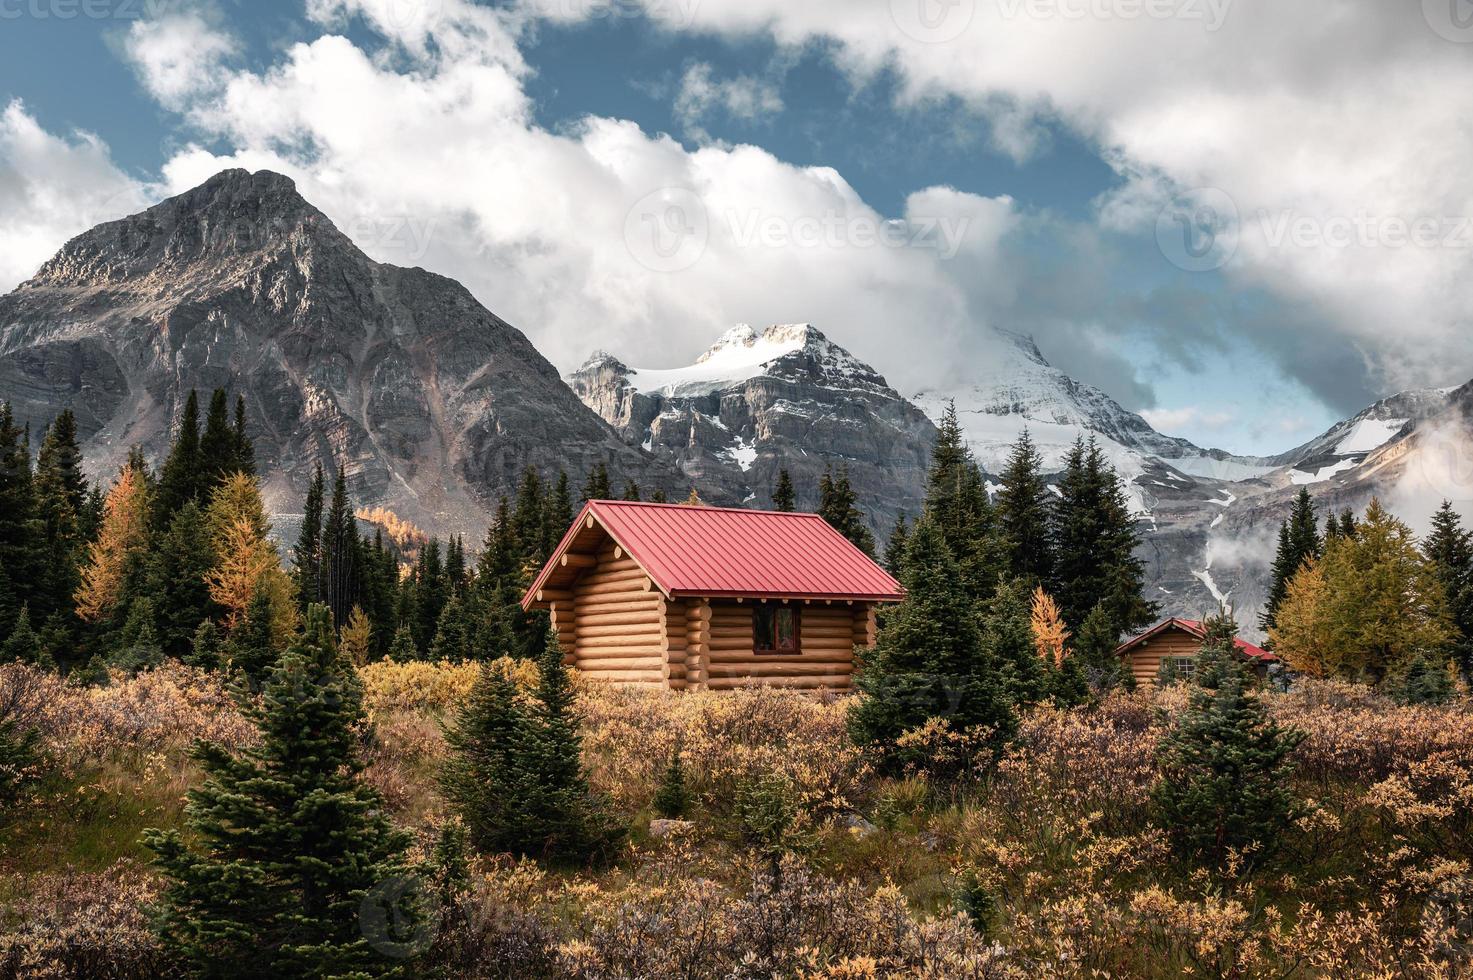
1179,640
709,598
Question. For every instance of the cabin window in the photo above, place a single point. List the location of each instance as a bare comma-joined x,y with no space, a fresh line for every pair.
775,628
1186,667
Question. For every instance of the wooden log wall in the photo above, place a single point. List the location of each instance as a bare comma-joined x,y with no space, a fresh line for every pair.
1145,660
618,623
828,633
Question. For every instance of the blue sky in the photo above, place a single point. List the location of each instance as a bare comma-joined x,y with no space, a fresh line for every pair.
1254,353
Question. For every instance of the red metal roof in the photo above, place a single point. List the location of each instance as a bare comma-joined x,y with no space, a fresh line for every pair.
715,551
1195,628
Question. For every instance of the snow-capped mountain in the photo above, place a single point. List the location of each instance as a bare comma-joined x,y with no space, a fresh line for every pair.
762,400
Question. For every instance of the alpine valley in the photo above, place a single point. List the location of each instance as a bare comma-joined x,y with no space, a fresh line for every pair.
434,405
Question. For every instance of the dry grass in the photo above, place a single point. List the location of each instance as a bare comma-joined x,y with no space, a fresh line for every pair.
1375,881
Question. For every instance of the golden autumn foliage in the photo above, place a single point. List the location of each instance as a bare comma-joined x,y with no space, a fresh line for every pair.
120,541
1065,872
247,561
1049,632
1368,606
355,636
405,536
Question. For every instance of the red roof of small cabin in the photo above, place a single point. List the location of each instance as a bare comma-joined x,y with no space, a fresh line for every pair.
1195,628
717,551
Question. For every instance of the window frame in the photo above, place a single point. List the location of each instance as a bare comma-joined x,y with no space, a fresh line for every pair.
772,612
1186,667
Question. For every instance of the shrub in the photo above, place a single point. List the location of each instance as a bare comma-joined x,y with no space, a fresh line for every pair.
672,799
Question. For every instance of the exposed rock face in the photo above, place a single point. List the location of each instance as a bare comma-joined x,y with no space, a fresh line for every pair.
432,403
760,401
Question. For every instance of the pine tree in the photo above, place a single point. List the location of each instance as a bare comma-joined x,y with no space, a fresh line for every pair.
1299,541
958,504
178,565
631,491
208,649
218,450
286,844
179,479
340,547
837,507
597,485
245,450
454,633
1095,648
1425,680
252,650
61,502
1008,641
136,646
1095,541
672,797
1024,512
929,662
430,594
22,645
658,497
20,531
529,520
1226,770
1349,526
246,560
455,565
402,650
783,496
514,773
1450,550
308,552
895,547
560,507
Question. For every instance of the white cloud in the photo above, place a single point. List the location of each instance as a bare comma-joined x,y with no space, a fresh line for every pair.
601,235
744,97
1175,419
52,189
1321,114
178,56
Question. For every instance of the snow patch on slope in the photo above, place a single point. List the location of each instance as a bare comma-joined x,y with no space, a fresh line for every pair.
1302,479
1369,434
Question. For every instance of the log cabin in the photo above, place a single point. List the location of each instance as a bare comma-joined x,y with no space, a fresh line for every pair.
709,598
1179,640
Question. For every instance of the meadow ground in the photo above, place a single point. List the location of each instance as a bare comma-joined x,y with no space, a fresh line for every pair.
1050,865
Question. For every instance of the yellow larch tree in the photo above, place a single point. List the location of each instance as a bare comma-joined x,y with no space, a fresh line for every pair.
1050,634
121,540
248,561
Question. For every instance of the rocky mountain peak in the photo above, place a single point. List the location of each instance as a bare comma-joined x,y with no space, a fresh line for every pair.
233,215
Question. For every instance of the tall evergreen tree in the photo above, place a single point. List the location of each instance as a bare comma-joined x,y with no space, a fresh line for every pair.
219,452
1009,642
1095,646
430,594
1024,512
245,450
1449,548
1299,541
784,498
958,505
895,547
929,662
286,844
1094,543
21,560
178,563
560,507
340,547
837,507
23,645
529,519
308,552
597,486
61,501
179,479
